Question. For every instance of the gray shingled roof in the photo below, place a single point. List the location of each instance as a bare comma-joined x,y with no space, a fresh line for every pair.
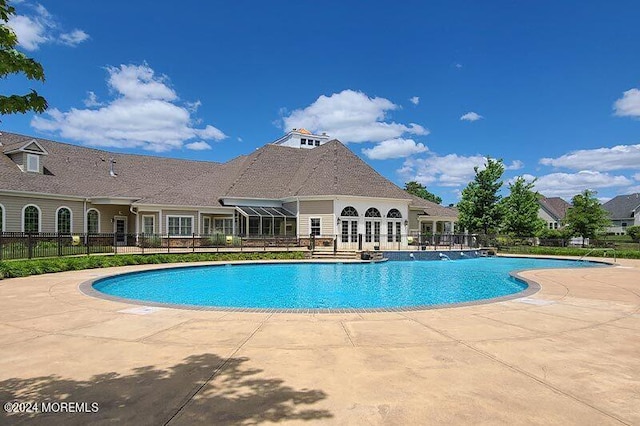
623,206
271,172
555,206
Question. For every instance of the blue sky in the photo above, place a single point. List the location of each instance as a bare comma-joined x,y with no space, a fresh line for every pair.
420,90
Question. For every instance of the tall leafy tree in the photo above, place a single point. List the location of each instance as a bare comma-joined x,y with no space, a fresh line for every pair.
521,209
480,208
14,62
419,190
586,217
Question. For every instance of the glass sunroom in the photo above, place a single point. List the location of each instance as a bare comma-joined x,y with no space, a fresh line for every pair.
265,221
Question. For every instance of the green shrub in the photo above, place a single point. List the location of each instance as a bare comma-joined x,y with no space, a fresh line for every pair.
634,233
23,268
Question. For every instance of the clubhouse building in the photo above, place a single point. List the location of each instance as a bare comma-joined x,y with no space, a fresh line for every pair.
300,185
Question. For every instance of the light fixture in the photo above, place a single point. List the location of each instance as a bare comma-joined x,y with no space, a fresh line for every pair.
338,221
406,223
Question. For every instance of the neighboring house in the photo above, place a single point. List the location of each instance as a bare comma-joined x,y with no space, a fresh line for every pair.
624,211
552,210
279,189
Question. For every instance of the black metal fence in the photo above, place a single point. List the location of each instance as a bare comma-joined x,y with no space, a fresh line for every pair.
389,242
21,245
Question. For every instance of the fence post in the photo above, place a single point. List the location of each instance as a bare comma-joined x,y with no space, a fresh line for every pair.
193,242
86,242
1,245
115,243
335,244
168,244
29,246
59,245
359,242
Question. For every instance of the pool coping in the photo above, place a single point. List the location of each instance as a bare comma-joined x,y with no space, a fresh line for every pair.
533,287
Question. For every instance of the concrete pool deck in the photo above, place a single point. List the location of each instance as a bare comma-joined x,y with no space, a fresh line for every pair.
568,354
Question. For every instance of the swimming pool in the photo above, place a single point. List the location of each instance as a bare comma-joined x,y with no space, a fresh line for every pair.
398,284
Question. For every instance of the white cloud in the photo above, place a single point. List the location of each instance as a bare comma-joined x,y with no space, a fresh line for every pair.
515,165
198,146
629,104
601,159
91,100
239,139
415,100
458,66
144,114
448,170
632,190
74,37
39,26
569,184
31,33
351,116
471,116
637,177
394,148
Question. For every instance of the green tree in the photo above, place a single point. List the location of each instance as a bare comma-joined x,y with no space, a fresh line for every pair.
586,217
14,62
521,210
634,233
480,208
419,190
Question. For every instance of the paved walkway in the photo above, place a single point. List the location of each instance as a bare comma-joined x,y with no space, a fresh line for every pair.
569,354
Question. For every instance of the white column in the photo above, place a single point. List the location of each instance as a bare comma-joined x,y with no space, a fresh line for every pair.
433,227
452,228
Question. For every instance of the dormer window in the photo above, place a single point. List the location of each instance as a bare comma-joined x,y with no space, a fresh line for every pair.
27,155
33,163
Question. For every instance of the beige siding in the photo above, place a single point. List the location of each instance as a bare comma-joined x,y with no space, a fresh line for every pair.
327,223
292,207
13,206
414,225
316,207
18,158
108,212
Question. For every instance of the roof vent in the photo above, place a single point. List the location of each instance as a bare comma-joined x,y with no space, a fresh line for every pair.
112,172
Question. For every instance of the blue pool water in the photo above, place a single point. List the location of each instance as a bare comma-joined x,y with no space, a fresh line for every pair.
329,285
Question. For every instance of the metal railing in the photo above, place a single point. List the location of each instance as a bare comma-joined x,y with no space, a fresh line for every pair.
389,242
22,245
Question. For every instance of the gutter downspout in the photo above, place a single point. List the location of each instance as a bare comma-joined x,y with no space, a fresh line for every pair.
137,221
298,217
85,226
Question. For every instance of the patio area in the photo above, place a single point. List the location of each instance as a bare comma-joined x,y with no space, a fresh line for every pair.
569,354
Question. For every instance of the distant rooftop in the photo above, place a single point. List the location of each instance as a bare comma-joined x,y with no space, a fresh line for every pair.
302,138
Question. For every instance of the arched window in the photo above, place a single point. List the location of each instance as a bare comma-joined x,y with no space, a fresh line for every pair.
1,218
394,214
31,218
63,220
372,212
349,211
93,221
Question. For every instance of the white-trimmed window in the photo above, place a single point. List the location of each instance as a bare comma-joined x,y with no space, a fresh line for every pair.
315,226
148,224
31,218
180,225
33,163
223,226
206,225
63,220
2,227
93,221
